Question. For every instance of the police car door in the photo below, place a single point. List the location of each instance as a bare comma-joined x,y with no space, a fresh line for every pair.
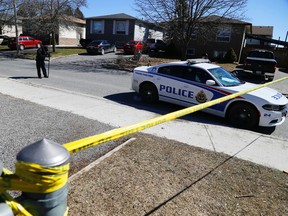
171,85
202,92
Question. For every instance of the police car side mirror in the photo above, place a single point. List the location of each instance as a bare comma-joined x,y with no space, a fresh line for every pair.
210,82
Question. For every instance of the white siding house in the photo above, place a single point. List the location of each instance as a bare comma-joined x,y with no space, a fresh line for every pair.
144,32
71,36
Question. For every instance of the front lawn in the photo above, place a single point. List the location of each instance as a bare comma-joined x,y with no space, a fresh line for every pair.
130,63
67,51
31,54
4,47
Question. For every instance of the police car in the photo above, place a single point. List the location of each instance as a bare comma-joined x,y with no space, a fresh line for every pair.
195,81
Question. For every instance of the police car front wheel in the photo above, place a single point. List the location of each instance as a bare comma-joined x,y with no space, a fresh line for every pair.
243,115
149,93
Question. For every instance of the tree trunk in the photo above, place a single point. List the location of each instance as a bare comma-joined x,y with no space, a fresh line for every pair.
183,49
53,41
16,27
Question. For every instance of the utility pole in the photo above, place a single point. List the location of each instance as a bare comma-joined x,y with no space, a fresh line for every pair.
16,27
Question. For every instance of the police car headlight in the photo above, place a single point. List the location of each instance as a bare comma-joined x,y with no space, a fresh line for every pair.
271,107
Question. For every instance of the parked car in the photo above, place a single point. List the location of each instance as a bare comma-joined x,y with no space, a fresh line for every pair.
24,42
148,43
100,47
197,81
261,62
133,47
4,39
84,42
159,45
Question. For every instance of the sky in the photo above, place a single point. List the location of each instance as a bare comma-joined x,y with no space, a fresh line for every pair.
258,12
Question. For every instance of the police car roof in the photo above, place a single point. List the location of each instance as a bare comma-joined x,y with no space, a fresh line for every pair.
197,61
201,63
206,65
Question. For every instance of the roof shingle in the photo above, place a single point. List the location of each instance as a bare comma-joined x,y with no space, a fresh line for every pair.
114,16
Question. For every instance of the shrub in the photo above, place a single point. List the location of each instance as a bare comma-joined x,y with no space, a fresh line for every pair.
230,56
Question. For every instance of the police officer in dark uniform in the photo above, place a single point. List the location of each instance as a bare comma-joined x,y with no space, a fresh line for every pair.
40,61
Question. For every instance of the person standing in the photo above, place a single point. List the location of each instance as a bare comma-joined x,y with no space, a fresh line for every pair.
40,61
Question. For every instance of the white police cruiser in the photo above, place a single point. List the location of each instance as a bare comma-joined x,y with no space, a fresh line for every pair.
195,81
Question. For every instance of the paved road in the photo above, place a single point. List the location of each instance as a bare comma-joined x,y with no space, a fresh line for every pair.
84,74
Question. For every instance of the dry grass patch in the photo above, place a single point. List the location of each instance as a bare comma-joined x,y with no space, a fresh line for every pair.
156,176
124,63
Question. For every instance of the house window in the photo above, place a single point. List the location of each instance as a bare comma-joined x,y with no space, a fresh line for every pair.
219,54
194,33
121,27
223,34
97,27
190,52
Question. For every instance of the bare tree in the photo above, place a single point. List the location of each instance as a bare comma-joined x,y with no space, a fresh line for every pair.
181,18
8,16
6,11
46,16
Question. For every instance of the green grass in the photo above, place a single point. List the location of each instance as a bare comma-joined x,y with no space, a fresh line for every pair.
58,52
4,47
66,51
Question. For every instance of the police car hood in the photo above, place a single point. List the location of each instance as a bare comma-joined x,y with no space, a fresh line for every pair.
268,94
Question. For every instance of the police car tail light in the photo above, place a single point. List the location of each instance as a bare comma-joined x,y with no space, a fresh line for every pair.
271,107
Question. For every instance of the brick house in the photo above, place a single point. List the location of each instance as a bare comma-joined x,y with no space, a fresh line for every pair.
263,32
120,28
221,35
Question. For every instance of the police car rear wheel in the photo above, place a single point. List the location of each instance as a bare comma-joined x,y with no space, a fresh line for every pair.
243,115
149,93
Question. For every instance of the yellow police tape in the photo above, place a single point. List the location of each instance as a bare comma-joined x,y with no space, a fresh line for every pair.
31,178
120,132
17,208
34,178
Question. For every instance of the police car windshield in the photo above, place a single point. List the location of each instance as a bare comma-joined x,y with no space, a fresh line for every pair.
224,77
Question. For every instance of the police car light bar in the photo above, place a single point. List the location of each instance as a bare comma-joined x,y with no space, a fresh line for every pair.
197,61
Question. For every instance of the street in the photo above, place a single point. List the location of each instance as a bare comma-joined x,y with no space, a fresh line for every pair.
84,74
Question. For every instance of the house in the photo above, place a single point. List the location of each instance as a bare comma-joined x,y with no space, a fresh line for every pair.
262,38
65,36
7,25
72,36
261,32
120,28
216,35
